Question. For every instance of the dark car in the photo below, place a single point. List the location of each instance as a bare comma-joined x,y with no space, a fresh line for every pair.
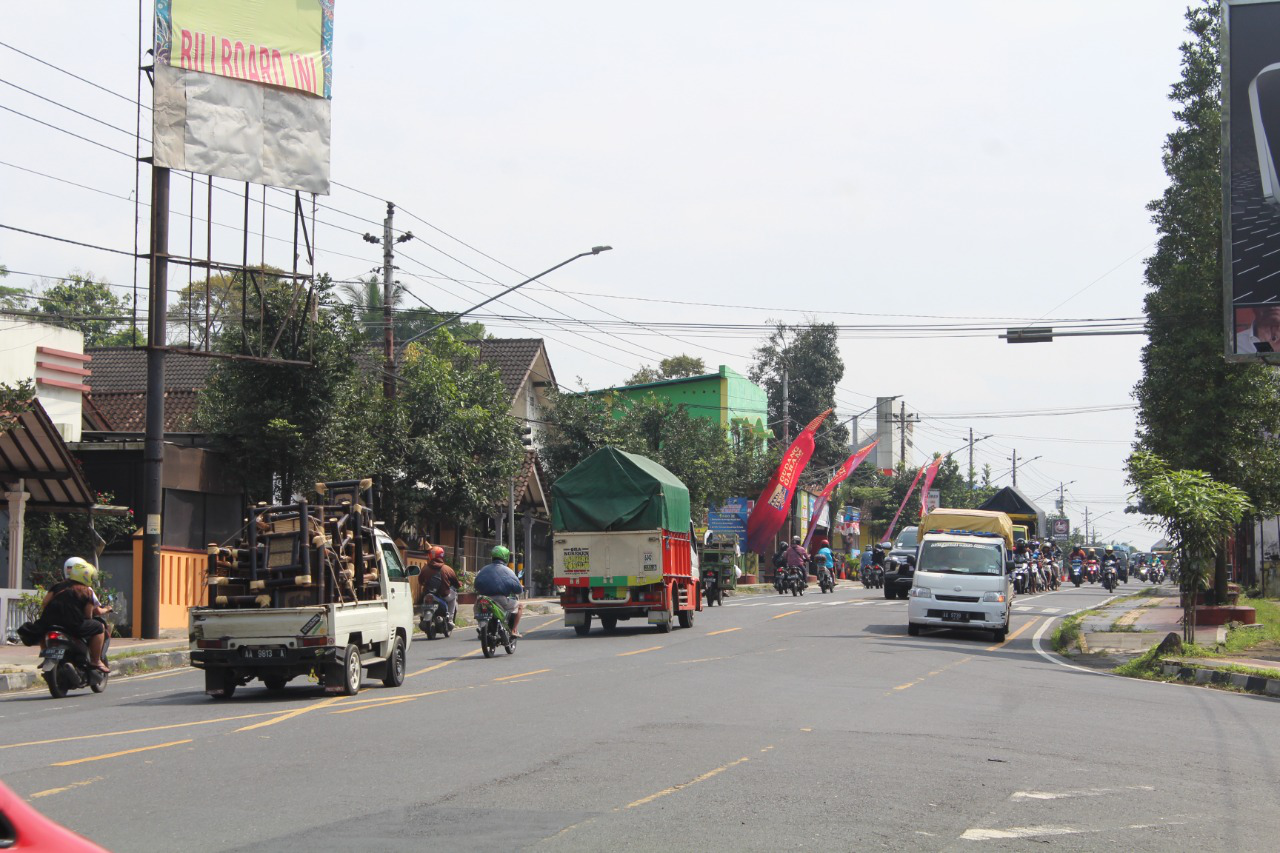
900,567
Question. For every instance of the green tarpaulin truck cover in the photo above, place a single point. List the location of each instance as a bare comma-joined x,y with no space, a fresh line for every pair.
613,490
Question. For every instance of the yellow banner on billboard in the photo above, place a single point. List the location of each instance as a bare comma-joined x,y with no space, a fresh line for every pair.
285,43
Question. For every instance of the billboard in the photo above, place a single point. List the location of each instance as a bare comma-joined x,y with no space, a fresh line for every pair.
1060,528
242,90
1251,180
730,517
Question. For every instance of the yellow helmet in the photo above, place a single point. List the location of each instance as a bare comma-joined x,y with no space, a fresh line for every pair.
79,570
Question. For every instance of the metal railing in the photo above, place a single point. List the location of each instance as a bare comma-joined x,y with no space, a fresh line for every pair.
13,613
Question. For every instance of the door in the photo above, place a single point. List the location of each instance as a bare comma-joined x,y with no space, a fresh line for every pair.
399,596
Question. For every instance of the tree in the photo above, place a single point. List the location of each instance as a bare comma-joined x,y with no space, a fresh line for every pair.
1197,513
12,298
811,357
15,401
288,425
675,367
187,315
1195,410
83,296
697,450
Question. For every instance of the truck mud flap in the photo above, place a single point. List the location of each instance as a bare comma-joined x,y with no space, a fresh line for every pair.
657,617
575,617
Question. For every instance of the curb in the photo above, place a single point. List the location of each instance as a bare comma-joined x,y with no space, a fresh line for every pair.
12,682
1241,680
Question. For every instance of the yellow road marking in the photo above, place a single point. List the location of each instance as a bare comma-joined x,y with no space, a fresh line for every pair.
140,731
698,660
38,794
639,651
704,777
937,671
1014,635
384,702
788,613
289,715
522,675
444,664
120,753
723,631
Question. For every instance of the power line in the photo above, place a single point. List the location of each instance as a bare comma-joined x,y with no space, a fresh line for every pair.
70,74
67,132
66,240
128,133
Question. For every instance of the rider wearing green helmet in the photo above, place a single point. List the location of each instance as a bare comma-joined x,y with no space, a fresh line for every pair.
498,582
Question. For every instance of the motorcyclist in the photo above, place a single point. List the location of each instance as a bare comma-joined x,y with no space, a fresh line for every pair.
825,559
73,606
797,558
1077,553
499,583
440,580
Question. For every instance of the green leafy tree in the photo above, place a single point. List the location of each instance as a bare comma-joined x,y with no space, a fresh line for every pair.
675,367
1195,410
811,357
15,401
283,424
83,296
187,315
1196,512
12,298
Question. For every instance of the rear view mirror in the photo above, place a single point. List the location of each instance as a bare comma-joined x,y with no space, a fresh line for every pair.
413,571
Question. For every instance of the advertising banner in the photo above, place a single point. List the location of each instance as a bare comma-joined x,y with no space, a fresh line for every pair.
285,43
771,509
730,518
1251,179
928,484
1060,528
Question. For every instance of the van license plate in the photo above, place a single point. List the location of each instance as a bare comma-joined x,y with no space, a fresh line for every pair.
954,616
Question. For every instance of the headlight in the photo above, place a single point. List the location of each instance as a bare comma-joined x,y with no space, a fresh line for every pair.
994,597
921,592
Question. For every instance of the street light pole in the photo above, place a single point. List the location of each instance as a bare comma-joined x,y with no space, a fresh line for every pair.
595,250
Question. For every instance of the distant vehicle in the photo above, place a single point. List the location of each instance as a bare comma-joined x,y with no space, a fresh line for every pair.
900,565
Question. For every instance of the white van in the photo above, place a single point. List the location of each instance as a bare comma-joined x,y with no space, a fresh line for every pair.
961,581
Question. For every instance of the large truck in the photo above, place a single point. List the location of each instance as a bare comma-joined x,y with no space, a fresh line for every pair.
623,545
314,589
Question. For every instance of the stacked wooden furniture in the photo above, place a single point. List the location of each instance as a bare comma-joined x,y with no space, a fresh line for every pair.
301,554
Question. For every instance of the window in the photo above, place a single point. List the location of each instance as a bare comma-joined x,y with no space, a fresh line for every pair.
961,558
395,569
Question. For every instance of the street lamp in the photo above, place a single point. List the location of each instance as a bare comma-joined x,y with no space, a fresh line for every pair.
595,250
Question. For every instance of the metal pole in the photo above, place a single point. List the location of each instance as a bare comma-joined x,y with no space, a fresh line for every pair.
1015,467
902,424
511,517
971,459
1087,540
528,553
388,258
153,448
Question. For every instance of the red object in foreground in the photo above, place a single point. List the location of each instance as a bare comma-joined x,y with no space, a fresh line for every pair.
24,828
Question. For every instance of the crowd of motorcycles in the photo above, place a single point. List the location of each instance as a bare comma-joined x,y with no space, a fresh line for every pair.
795,580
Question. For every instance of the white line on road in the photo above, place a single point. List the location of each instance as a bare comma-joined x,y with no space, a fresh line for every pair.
1018,832
1086,792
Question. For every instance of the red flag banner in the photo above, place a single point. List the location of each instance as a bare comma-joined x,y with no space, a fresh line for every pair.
842,473
888,534
771,510
928,483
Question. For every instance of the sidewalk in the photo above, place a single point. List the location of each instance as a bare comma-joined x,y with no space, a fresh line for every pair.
1130,628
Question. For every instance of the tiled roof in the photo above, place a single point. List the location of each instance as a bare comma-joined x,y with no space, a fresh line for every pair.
126,411
125,369
513,358
524,482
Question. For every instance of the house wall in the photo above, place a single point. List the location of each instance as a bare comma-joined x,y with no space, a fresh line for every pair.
52,359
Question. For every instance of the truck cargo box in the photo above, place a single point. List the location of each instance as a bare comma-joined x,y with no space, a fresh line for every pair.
613,490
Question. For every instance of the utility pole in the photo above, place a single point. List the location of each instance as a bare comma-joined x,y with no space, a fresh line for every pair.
388,297
971,459
902,420
153,445
1087,540
786,413
1015,467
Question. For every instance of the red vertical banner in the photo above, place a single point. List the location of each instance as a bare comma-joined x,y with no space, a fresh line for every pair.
842,473
771,510
928,482
888,534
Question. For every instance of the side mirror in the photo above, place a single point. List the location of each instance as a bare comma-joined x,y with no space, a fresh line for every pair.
413,571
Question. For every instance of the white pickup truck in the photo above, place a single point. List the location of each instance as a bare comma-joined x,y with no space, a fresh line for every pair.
332,643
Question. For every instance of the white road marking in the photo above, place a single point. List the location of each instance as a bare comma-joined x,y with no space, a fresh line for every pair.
1018,832
1086,792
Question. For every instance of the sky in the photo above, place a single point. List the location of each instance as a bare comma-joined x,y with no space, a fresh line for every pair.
861,163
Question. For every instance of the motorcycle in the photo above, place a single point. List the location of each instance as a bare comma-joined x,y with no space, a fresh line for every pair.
66,666
782,581
492,627
434,618
1109,577
872,577
1077,572
1020,579
1091,570
826,580
1155,576
798,580
711,592
1143,574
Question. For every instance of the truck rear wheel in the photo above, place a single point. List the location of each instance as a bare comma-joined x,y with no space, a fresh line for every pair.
583,629
609,624
393,674
686,618
220,683
351,671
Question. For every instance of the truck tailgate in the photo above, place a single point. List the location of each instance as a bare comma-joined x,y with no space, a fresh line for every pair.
275,626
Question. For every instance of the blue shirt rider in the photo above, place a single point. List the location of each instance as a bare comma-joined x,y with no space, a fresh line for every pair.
499,583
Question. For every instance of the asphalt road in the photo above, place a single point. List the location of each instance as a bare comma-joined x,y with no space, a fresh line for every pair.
772,724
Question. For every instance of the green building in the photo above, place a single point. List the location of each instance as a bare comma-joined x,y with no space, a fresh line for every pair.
727,397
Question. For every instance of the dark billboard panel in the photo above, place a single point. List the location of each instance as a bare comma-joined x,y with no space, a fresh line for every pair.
1251,182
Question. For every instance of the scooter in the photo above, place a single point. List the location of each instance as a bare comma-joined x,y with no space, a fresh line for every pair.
1077,572
435,618
66,666
1020,579
1109,577
782,581
711,592
826,580
798,581
492,627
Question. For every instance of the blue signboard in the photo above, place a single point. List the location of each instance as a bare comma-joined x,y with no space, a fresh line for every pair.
730,517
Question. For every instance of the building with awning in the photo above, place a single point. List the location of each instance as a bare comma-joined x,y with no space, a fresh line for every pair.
39,475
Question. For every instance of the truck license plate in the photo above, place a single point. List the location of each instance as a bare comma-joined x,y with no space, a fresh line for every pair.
259,654
954,616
